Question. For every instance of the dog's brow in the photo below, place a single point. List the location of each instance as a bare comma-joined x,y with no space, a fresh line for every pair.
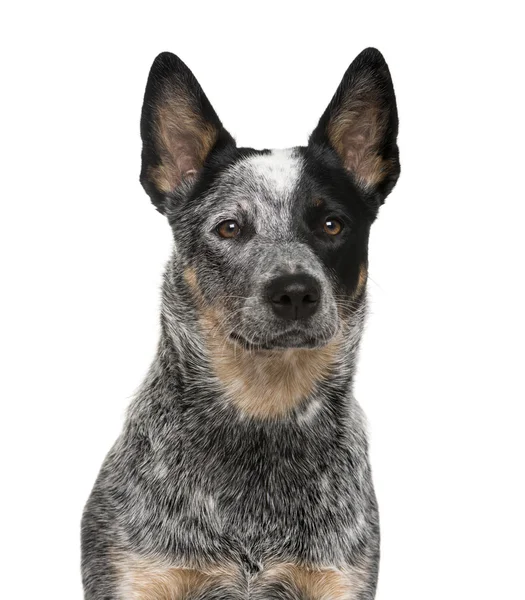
261,187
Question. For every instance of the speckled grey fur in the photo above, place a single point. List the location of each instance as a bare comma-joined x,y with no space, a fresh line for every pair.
192,481
189,478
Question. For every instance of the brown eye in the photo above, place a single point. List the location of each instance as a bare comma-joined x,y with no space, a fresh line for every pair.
228,229
332,226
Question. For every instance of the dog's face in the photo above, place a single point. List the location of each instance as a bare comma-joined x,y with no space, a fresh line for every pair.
273,243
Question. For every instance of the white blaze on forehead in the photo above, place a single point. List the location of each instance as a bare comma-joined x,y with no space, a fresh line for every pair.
263,184
280,170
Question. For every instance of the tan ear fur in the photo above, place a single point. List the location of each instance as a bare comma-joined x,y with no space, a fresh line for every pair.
182,139
361,125
356,132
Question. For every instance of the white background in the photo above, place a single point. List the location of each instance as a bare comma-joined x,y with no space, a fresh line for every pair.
82,253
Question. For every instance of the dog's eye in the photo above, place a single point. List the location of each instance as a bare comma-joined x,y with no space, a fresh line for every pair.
332,226
228,229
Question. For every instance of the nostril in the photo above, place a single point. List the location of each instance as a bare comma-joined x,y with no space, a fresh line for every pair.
310,299
284,299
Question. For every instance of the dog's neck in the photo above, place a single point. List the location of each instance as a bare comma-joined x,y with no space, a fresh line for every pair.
259,384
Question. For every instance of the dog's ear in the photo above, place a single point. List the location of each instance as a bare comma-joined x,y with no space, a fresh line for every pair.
361,124
179,128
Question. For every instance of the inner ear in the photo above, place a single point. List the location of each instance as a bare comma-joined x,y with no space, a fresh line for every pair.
183,139
361,124
179,128
356,132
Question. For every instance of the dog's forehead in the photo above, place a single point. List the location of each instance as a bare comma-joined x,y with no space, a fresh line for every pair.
275,172
263,184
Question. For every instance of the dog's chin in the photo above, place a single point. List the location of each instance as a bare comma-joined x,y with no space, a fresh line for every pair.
294,339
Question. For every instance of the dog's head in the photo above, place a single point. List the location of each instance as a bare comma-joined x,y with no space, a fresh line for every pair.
273,243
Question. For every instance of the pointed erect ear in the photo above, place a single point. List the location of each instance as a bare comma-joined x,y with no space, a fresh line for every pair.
179,128
360,124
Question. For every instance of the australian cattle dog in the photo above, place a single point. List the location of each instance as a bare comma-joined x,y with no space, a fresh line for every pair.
242,469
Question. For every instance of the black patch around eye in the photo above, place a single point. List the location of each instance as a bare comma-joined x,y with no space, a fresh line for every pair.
326,193
333,226
327,219
327,181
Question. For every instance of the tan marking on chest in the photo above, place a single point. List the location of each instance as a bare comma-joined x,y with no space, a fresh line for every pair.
141,578
269,384
319,584
266,384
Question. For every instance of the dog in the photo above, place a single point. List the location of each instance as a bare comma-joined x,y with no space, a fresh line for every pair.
242,469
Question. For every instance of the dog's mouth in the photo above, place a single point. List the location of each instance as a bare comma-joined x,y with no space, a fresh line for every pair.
293,338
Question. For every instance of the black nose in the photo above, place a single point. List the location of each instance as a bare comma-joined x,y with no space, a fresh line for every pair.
294,296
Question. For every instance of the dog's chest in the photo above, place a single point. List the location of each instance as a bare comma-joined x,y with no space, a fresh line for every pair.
284,527
294,496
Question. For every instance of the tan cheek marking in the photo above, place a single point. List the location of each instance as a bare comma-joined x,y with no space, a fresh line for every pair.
344,308
321,584
191,279
361,282
149,579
